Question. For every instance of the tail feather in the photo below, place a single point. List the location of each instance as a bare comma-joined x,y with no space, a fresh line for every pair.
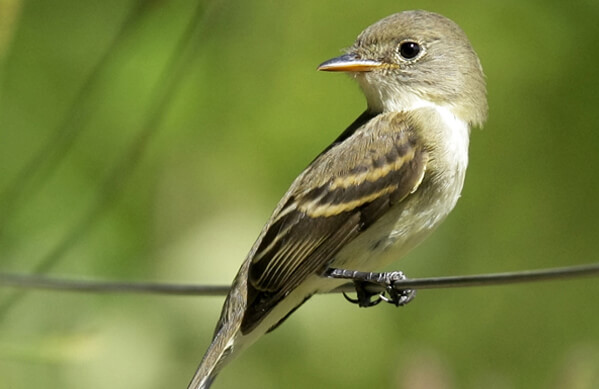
218,354
227,340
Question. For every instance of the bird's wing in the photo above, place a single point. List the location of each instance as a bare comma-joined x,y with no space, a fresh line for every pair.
339,195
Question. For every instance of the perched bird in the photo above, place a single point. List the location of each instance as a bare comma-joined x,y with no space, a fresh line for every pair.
377,191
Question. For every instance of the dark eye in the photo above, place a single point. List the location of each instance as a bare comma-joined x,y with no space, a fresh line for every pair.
409,49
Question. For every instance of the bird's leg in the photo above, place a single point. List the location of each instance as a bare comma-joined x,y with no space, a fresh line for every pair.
362,280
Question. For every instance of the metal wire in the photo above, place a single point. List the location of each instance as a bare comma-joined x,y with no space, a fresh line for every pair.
33,282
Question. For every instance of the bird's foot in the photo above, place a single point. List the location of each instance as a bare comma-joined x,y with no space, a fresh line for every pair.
372,288
365,297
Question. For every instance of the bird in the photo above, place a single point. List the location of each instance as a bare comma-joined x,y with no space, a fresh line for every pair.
378,190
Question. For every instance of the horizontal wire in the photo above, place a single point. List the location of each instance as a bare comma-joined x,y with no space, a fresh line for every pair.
27,281
31,282
553,274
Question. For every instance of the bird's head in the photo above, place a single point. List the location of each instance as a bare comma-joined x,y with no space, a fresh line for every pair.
414,58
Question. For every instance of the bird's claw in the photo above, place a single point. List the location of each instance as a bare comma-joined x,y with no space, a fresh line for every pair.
364,301
397,297
391,295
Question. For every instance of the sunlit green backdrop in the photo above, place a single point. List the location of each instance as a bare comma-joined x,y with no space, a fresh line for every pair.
151,140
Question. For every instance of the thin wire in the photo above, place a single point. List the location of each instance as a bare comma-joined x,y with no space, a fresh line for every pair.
553,274
31,282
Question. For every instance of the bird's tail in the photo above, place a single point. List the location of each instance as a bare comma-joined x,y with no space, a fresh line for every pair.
218,354
227,340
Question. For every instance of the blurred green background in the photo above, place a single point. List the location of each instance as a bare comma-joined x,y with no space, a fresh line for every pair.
151,140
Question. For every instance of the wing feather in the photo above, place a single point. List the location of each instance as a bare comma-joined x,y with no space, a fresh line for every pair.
343,191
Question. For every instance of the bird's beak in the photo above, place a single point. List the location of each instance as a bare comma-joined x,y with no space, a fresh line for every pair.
349,63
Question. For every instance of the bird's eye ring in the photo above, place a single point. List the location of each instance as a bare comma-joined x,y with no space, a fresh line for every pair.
409,49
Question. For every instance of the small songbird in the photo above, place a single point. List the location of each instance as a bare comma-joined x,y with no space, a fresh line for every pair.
377,191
